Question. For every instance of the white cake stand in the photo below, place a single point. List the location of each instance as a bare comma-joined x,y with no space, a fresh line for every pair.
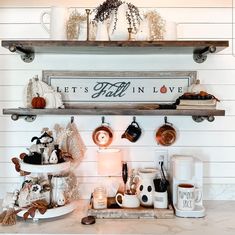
49,168
52,213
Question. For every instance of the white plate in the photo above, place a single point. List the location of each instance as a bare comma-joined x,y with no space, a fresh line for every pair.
50,168
55,212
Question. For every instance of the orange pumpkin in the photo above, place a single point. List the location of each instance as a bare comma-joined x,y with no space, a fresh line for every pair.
163,89
38,102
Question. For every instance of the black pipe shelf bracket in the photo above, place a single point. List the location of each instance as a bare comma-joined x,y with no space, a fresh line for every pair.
31,118
200,55
27,55
202,118
27,118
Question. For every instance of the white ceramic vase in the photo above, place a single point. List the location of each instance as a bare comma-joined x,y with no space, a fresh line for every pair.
120,33
82,31
146,186
102,32
143,33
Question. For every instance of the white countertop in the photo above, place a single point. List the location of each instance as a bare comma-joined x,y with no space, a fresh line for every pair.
220,219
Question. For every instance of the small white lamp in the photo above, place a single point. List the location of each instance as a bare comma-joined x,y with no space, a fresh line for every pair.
109,163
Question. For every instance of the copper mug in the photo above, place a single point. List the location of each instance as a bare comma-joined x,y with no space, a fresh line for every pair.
166,134
103,135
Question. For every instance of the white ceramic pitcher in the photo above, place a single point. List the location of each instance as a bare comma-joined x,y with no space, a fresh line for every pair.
58,19
145,186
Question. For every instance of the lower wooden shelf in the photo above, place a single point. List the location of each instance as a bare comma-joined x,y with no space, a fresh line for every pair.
146,110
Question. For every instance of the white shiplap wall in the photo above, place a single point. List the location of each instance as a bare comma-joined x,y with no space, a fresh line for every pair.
214,143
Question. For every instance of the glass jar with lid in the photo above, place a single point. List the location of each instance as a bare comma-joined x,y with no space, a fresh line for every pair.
100,198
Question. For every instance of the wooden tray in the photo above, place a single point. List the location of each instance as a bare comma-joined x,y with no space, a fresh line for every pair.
132,213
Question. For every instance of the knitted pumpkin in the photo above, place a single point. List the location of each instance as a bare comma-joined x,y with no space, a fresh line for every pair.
38,102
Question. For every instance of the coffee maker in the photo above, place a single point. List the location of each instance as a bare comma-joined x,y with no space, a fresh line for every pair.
187,170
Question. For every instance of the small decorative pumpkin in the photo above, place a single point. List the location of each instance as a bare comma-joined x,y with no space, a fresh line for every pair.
35,86
53,100
163,89
196,87
38,102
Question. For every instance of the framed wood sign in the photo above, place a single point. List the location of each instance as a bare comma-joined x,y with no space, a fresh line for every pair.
113,86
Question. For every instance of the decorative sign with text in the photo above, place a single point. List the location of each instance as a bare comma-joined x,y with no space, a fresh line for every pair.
159,87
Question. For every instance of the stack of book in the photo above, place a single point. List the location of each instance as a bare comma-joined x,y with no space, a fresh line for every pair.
197,104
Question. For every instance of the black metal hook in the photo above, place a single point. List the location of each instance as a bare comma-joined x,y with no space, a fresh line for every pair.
72,119
166,122
103,120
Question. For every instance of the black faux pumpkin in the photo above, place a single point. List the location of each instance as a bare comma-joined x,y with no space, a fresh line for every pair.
34,158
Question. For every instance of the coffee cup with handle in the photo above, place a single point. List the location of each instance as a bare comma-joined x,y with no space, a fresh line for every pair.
188,196
133,131
128,200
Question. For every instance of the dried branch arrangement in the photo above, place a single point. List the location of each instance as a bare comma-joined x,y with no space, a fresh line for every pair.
105,11
156,24
73,22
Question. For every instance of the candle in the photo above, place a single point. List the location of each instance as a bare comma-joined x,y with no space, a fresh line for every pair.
99,198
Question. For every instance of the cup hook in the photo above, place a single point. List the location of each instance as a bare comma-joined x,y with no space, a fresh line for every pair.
72,119
102,119
166,122
165,119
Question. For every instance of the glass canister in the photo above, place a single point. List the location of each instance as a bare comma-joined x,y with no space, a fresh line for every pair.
100,198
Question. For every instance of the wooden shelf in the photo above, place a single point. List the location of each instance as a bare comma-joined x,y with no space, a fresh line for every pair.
199,49
144,110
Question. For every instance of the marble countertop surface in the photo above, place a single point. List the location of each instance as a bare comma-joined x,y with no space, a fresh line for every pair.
220,219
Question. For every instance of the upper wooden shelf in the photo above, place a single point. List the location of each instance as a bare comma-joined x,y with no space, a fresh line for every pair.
199,49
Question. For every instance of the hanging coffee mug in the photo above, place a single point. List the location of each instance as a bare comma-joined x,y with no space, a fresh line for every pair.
166,134
103,135
58,19
133,131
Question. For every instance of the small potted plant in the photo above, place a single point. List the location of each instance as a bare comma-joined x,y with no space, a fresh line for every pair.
120,15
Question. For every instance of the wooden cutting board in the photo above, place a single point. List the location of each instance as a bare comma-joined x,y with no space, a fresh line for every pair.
132,213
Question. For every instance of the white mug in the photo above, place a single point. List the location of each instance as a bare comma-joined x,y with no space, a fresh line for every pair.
188,196
128,201
58,20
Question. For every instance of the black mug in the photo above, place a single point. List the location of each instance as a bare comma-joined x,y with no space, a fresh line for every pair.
133,132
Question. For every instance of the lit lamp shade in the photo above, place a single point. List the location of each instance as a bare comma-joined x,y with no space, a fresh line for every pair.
109,162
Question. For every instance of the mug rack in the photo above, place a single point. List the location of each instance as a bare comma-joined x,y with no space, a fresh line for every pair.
139,109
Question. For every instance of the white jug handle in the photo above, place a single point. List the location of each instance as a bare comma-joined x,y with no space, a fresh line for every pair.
116,198
42,20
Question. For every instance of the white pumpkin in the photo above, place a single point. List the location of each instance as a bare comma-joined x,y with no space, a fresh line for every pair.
37,86
196,87
53,100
